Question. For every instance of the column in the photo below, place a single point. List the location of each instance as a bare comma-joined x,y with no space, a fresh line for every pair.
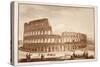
48,40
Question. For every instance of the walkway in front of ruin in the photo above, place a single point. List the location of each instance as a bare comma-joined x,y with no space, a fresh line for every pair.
39,60
50,59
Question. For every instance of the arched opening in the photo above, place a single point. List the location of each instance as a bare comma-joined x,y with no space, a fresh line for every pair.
45,41
41,32
41,40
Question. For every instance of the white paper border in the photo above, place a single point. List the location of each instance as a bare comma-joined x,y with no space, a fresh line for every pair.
47,62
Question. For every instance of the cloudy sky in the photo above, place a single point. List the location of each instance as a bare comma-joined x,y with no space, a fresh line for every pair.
62,19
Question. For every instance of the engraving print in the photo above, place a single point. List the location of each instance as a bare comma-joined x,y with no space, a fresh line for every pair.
55,33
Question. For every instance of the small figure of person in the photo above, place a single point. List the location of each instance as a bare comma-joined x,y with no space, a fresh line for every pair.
28,57
42,56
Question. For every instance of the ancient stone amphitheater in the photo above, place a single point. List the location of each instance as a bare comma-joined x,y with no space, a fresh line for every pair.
39,37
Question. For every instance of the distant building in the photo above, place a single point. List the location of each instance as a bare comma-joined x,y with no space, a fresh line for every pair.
39,37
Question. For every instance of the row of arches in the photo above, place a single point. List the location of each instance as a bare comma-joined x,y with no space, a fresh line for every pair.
52,40
37,33
71,39
47,48
54,47
73,34
46,40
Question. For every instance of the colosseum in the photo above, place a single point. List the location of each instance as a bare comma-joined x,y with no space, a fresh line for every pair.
39,37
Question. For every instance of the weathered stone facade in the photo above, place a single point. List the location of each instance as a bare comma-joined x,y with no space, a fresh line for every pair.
39,37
